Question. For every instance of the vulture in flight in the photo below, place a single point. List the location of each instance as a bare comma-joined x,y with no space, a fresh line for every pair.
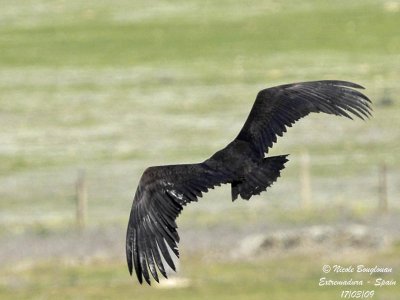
163,191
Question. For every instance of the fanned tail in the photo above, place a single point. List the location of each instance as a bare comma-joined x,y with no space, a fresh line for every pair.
259,178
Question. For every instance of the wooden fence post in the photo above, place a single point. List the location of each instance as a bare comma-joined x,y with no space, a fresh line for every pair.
383,205
81,200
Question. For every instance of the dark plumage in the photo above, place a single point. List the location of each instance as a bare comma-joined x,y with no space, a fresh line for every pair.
164,190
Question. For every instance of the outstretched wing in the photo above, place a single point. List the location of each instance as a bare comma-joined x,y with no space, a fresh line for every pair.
159,199
281,106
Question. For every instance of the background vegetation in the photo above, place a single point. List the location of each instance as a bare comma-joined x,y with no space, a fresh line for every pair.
113,87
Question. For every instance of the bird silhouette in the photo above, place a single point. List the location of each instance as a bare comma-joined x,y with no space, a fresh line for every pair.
163,191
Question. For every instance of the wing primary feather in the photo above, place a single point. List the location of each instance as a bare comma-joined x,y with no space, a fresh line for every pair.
168,219
157,258
170,237
149,250
154,248
342,112
129,244
354,111
150,261
361,106
129,254
280,107
165,252
354,93
163,228
320,101
136,260
142,256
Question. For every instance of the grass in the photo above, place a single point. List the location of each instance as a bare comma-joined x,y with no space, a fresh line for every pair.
293,277
101,41
114,88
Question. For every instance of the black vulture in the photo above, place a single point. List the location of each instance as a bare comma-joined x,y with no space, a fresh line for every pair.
163,191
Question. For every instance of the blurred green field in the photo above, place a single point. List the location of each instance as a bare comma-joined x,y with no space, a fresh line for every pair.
111,88
295,277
